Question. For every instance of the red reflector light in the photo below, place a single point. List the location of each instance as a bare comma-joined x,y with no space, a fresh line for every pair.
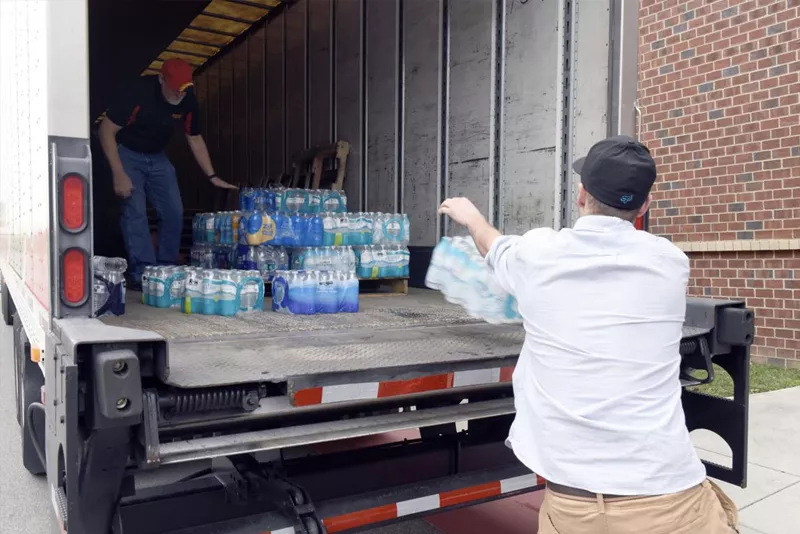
639,223
73,203
74,277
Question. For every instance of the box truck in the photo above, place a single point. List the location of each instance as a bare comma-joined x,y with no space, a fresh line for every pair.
158,421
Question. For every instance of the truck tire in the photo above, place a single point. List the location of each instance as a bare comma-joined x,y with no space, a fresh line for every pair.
6,306
29,381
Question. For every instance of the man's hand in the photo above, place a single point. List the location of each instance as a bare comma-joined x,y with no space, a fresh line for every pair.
462,211
222,184
123,186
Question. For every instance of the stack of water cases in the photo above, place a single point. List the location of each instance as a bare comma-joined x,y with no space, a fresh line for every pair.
196,290
272,224
462,275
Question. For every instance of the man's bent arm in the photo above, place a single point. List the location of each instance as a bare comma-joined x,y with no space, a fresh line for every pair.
484,234
200,152
108,140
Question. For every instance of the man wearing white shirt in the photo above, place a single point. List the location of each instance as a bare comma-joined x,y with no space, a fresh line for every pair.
596,388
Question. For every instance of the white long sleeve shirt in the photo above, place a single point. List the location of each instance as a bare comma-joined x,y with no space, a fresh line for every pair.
596,388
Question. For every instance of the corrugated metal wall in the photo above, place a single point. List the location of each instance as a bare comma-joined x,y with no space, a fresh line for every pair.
436,97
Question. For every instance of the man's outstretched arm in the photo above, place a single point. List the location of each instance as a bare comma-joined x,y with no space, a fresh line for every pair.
200,152
464,212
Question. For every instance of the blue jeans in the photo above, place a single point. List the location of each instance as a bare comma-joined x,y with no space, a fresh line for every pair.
154,179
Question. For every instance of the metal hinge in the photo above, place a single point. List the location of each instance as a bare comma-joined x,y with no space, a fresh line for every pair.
291,499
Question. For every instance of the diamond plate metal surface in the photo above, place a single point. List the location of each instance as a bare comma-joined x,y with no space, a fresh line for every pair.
275,359
424,308
387,334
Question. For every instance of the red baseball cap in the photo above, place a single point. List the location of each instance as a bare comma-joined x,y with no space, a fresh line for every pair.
177,74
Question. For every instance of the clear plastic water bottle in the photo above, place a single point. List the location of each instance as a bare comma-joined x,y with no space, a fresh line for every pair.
405,262
228,294
315,234
193,293
328,229
350,293
406,229
252,292
332,202
209,292
251,259
302,288
315,201
326,298
282,259
247,199
159,294
100,290
177,286
146,285
280,292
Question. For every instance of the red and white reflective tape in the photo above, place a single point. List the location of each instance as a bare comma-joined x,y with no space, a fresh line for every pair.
424,504
394,388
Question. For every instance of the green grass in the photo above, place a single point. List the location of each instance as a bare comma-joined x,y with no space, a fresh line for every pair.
762,378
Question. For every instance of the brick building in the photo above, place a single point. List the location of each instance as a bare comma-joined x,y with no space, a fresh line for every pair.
719,91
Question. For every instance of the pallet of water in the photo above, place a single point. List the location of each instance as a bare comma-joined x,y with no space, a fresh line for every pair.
315,292
462,275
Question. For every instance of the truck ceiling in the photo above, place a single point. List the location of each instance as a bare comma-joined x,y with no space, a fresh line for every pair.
128,39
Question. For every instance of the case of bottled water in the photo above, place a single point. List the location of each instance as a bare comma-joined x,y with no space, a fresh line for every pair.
382,261
390,229
292,200
310,292
108,286
323,259
462,275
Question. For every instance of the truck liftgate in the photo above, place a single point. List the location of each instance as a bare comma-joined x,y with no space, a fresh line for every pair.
125,459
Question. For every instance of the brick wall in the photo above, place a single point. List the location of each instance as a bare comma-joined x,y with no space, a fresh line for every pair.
719,88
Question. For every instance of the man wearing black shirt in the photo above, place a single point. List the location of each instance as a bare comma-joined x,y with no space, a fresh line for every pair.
134,134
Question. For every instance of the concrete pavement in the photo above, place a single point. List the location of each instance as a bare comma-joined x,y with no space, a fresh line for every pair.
773,471
765,506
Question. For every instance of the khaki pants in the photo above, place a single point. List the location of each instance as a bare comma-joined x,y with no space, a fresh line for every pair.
703,509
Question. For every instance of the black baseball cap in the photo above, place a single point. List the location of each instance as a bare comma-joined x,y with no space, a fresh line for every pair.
618,171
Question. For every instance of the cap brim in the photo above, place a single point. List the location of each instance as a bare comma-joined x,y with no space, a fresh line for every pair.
577,165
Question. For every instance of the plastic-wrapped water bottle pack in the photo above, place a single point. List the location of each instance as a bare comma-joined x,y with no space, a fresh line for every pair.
292,200
313,292
196,290
108,286
213,256
365,228
295,229
382,261
462,275
323,259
